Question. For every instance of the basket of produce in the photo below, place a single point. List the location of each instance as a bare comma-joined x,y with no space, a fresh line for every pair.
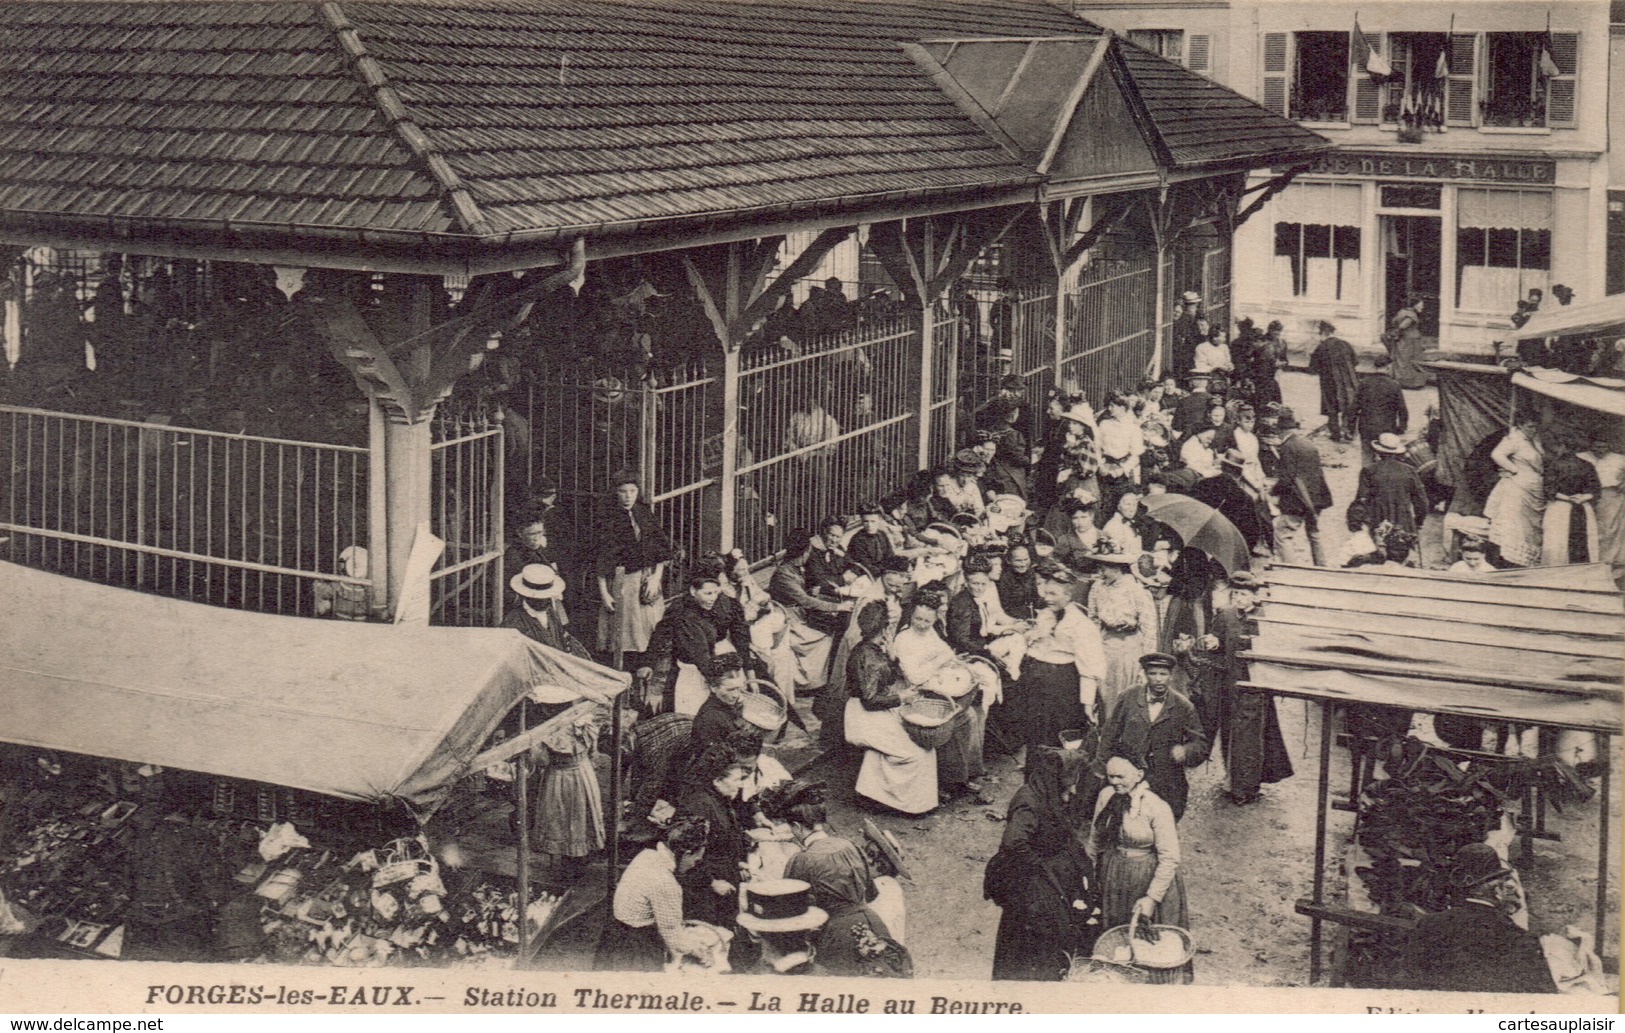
929,720
1162,951
1093,970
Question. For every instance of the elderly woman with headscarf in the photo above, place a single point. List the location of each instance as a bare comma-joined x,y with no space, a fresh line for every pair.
863,936
1041,878
1135,846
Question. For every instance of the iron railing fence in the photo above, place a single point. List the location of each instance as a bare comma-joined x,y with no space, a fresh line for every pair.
233,520
466,475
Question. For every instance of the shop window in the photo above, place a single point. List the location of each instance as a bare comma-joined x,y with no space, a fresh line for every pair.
1503,248
1316,261
1320,86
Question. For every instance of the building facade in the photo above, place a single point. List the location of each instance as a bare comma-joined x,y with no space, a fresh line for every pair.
1472,160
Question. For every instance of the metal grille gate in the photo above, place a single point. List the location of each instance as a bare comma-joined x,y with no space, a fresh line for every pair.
824,429
246,522
1111,334
466,481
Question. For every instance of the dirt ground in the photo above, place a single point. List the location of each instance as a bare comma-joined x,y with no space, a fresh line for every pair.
1245,867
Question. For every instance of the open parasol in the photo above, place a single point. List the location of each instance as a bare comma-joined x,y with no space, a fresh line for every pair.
1201,527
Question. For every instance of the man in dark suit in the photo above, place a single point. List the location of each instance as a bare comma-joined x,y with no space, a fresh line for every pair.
1390,488
1160,725
1300,492
1475,947
1333,361
1190,415
1240,502
1379,407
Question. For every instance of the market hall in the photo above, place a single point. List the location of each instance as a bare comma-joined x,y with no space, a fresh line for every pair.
202,481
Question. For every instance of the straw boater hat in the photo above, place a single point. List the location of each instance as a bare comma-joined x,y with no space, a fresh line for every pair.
1190,296
1081,412
1389,444
1119,559
780,906
537,581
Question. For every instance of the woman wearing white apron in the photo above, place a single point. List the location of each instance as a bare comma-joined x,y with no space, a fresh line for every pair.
631,564
896,771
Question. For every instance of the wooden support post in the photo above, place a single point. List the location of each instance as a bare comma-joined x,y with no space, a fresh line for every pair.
377,505
521,781
612,817
1156,317
927,362
1321,790
729,470
1603,839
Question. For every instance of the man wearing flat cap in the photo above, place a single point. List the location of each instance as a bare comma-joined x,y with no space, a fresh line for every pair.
1154,721
1475,947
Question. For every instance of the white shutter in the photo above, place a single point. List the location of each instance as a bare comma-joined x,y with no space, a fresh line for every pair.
1461,90
1198,53
1399,55
1367,106
1276,78
1561,110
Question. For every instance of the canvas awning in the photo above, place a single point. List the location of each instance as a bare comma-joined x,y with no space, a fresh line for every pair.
1442,643
1598,394
365,712
1603,317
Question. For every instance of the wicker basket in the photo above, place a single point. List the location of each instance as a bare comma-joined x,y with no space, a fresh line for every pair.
763,706
1119,937
929,721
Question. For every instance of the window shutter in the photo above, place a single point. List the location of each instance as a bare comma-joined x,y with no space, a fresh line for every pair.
1399,54
1461,90
1561,110
1367,106
1198,53
1274,95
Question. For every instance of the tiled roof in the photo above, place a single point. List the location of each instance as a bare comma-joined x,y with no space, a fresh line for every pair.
1203,123
525,116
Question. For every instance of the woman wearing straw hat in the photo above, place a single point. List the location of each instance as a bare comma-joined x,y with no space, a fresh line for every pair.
1135,845
1064,666
1127,618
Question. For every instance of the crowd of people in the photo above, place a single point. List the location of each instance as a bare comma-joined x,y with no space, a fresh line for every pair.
1023,599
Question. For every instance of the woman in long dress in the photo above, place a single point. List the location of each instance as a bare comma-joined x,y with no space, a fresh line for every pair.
569,816
897,772
1064,666
923,653
632,558
1610,467
1041,878
1404,343
1569,523
1515,508
1135,846
1127,617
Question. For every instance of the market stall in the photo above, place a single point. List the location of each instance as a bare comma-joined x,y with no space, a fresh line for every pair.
1419,666
300,759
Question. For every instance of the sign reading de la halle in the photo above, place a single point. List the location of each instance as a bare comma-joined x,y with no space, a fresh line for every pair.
1439,167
